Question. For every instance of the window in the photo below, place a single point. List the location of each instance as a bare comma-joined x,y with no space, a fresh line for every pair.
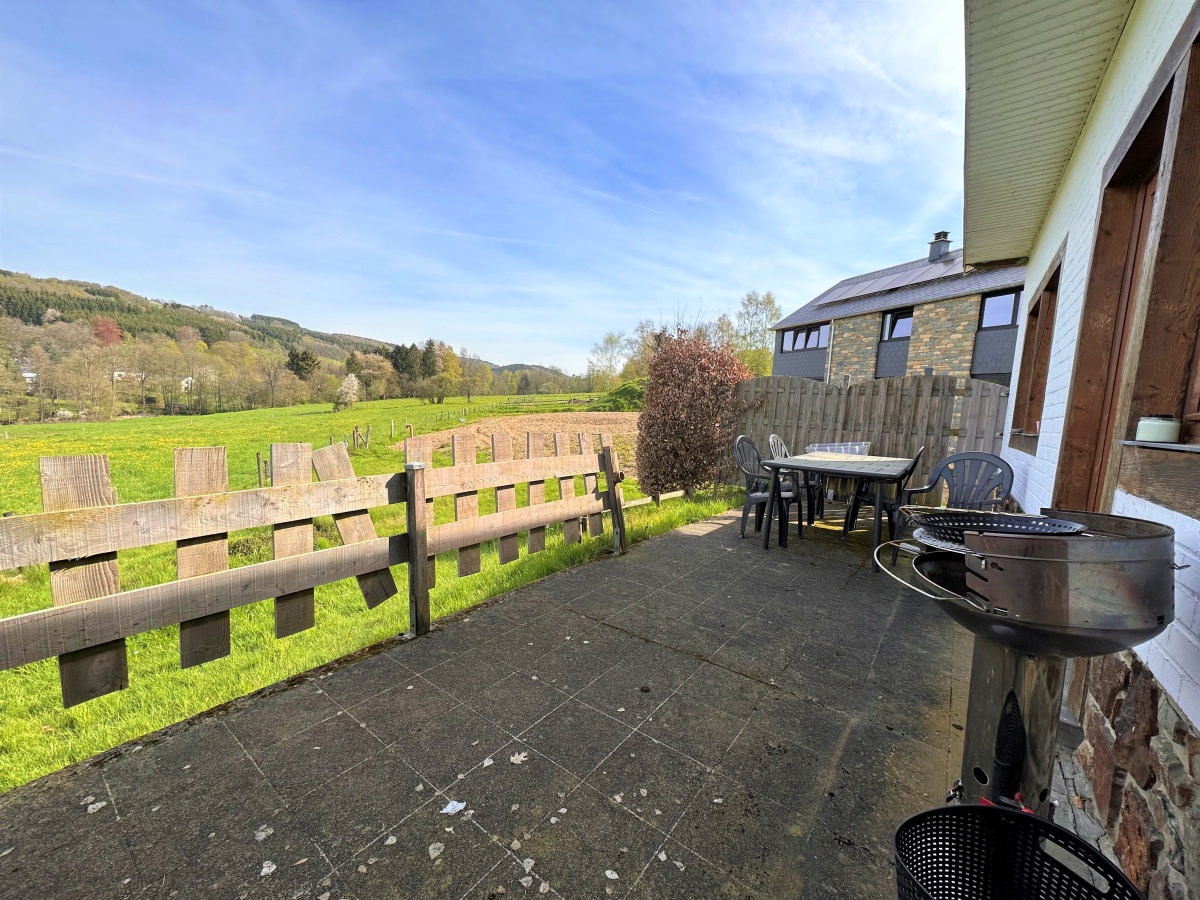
999,310
1035,362
897,324
806,337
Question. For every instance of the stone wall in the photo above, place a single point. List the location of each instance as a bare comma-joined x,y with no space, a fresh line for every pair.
943,336
943,339
1142,758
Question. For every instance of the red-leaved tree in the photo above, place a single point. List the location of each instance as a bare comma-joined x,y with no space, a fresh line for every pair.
689,417
107,331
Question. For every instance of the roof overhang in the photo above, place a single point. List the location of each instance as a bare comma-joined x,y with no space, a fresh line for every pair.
1034,68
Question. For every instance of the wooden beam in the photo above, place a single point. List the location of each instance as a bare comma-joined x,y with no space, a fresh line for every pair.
450,480
52,632
75,532
566,488
202,470
485,528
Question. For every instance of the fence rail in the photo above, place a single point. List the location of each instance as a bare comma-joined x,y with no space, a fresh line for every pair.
83,527
942,413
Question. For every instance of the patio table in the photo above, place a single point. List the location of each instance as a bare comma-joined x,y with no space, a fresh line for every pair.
879,470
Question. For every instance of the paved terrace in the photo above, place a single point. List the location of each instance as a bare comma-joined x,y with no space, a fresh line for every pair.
696,718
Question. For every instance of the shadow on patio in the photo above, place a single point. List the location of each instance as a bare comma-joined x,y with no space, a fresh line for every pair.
698,717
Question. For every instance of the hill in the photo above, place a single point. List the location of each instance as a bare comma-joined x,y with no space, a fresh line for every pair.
38,301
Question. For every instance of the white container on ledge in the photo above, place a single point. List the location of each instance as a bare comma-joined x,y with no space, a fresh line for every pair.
1158,429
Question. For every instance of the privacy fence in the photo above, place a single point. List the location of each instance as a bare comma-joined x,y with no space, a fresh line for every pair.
82,528
942,413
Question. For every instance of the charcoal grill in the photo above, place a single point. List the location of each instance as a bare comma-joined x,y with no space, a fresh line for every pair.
1035,591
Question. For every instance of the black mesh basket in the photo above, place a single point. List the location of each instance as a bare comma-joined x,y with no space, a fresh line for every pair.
950,524
983,852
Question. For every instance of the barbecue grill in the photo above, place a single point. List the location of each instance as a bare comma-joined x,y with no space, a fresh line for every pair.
1036,590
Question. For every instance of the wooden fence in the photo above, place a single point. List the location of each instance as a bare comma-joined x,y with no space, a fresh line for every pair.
942,413
83,527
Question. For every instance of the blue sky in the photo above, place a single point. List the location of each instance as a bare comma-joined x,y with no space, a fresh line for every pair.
513,178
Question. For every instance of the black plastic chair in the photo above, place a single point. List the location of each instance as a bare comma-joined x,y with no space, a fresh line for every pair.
864,495
972,480
779,450
758,484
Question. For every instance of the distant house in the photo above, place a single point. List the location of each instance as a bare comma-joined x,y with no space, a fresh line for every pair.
931,313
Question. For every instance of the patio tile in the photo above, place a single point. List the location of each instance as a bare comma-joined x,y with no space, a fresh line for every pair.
558,737
675,871
261,720
802,720
569,669
768,852
725,690
611,642
690,639
463,677
629,696
516,794
694,729
97,864
790,774
649,779
340,828
389,714
592,838
517,702
38,817
353,683
316,755
438,646
441,748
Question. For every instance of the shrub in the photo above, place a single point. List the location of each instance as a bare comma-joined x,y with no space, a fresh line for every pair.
689,418
626,398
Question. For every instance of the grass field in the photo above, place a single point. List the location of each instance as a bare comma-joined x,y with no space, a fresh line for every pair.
38,736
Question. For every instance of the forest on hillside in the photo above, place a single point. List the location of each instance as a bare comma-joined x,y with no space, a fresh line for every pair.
72,349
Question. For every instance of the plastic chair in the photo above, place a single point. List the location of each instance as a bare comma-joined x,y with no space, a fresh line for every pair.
758,484
973,480
864,495
779,450
815,482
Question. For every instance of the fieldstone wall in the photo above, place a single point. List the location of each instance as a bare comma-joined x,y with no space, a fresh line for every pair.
1142,758
943,339
852,348
943,336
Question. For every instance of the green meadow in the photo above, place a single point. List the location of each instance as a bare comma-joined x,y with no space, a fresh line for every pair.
38,736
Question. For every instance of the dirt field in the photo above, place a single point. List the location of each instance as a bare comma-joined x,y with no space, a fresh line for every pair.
621,425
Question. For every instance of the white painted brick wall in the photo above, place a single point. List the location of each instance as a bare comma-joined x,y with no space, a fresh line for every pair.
1174,656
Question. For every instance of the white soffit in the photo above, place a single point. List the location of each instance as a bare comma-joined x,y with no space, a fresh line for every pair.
1033,70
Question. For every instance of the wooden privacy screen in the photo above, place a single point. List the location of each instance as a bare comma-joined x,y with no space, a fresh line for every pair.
83,527
942,413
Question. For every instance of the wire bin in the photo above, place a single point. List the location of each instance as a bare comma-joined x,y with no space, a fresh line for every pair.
980,852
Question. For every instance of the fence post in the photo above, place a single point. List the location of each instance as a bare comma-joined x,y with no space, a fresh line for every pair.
616,499
416,512
198,471
292,464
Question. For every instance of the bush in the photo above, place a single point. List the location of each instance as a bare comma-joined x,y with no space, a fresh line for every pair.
629,397
689,418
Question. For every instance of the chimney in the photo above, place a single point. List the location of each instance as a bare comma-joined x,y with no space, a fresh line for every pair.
939,246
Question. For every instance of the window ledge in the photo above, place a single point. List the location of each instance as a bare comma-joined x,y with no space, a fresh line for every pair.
1026,443
1154,445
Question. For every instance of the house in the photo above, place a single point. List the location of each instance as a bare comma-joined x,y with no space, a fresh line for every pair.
1083,159
931,313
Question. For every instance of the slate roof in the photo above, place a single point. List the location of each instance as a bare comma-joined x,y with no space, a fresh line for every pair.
907,284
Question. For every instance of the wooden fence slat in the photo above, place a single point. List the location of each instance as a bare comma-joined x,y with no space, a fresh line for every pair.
451,480
294,612
595,522
71,482
535,448
44,633
333,463
450,535
466,503
566,488
509,547
202,470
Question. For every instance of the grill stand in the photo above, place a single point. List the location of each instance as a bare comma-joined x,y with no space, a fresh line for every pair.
1037,682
